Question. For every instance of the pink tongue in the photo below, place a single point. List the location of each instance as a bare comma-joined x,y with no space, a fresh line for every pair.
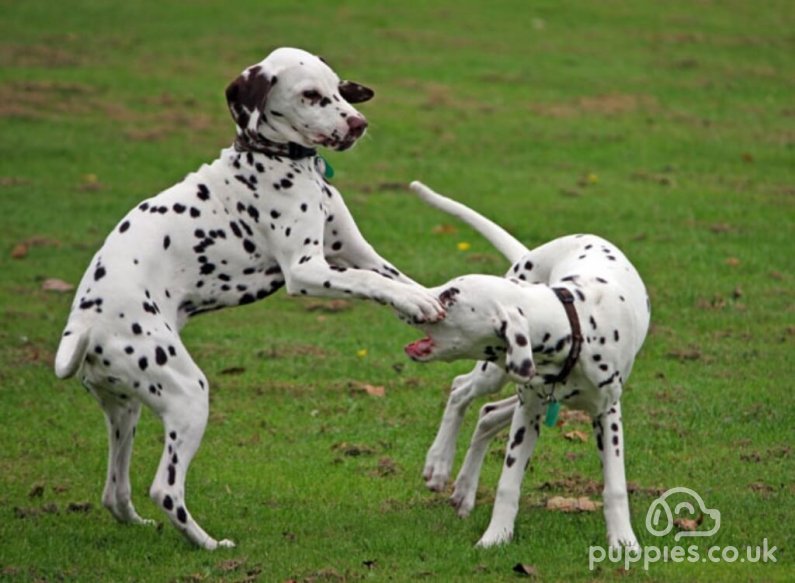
419,348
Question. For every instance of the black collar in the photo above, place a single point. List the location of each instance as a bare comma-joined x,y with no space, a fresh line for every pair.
291,150
567,299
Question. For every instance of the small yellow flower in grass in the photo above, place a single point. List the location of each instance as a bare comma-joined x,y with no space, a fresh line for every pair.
361,353
463,246
592,178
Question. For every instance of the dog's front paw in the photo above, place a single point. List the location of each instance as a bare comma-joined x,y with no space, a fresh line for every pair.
437,471
494,536
419,305
463,498
211,544
625,540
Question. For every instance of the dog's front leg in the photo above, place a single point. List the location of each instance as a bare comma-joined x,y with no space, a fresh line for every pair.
521,442
345,246
312,276
298,243
493,418
610,443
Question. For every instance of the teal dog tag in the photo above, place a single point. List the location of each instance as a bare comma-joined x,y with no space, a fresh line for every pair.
328,171
552,414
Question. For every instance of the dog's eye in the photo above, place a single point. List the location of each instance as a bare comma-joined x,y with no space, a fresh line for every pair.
311,94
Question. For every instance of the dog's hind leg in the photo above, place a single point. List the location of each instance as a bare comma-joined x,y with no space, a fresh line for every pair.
492,419
483,379
610,443
121,418
184,408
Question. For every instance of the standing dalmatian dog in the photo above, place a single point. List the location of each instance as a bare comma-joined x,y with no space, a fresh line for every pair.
565,325
260,217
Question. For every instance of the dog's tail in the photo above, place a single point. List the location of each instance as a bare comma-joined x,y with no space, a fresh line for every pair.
71,351
505,243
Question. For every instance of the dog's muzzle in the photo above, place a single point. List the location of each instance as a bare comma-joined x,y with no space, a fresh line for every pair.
357,125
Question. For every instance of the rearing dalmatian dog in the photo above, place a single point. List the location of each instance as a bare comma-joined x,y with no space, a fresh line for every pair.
565,325
260,217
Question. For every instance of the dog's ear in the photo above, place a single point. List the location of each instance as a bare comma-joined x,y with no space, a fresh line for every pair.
355,93
247,94
514,329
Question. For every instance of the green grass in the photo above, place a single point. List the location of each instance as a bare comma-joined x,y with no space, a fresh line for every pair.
665,127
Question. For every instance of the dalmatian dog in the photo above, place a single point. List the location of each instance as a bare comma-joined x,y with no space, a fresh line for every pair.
260,217
565,325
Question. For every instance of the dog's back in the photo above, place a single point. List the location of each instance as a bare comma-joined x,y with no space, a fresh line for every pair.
591,265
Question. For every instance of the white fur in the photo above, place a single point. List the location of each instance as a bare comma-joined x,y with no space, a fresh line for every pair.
486,316
231,233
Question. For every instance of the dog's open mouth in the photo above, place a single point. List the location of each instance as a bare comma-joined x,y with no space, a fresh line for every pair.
420,349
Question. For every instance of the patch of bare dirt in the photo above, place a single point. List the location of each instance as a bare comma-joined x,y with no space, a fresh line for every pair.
291,351
49,100
603,105
39,55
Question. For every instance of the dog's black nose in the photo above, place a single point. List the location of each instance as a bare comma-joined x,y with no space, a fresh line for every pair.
356,126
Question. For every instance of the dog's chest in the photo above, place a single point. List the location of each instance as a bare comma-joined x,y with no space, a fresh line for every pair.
210,241
265,205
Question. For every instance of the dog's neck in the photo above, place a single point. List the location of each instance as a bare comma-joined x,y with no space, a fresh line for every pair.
545,312
249,142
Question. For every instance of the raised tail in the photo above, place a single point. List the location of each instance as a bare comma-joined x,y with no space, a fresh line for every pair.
71,351
505,243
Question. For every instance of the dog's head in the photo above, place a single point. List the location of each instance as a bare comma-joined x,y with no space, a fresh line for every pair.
294,96
484,321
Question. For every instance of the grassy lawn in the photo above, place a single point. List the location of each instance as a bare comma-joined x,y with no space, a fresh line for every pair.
668,128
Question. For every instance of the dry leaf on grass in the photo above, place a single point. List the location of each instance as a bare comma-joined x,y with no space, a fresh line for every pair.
19,251
526,570
444,229
56,285
327,306
576,435
581,504
686,523
372,390
375,391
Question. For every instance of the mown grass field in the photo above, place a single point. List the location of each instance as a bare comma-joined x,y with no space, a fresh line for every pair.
667,128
